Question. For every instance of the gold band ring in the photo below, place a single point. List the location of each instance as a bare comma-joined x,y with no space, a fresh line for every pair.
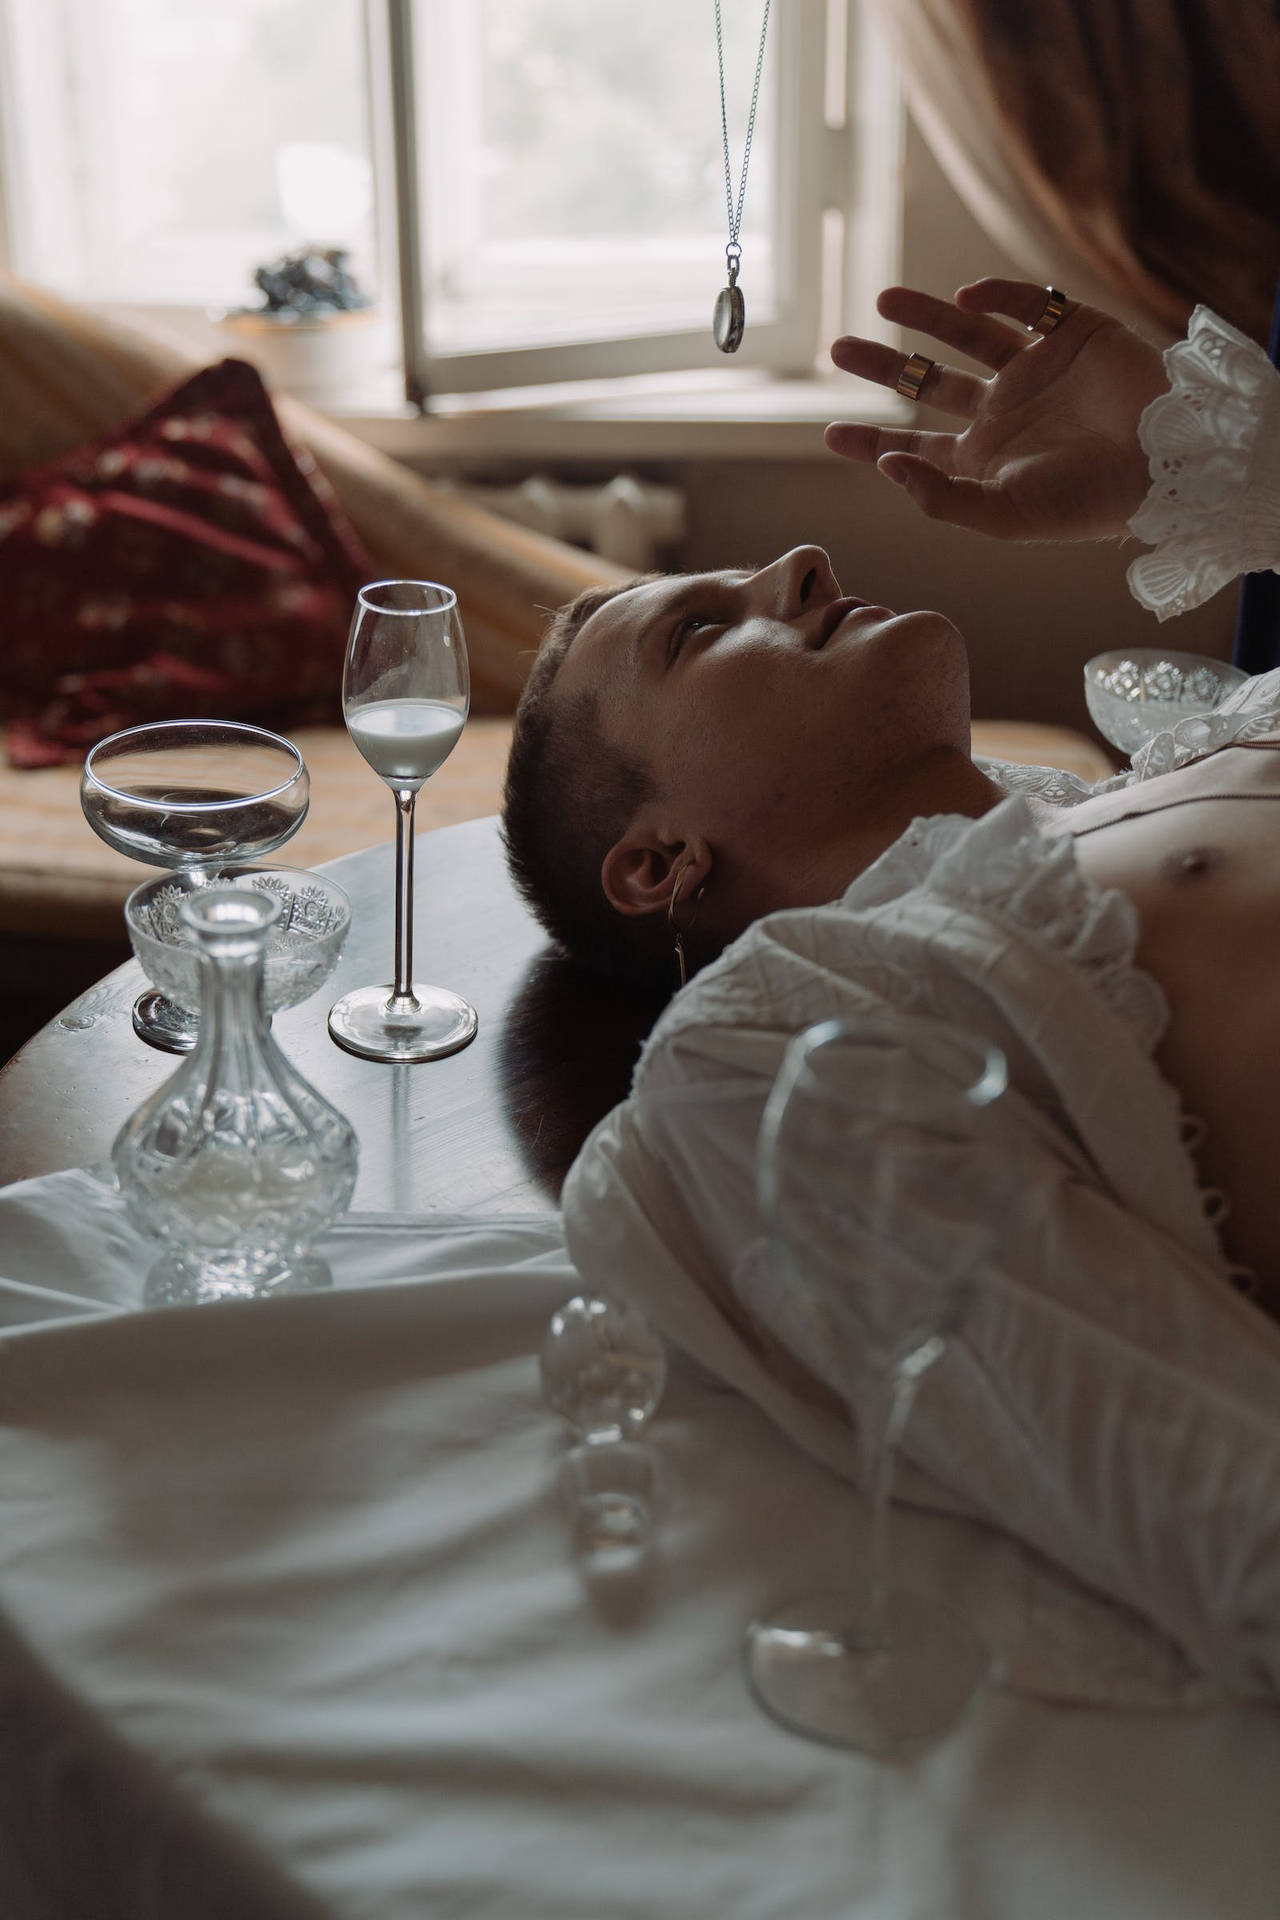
913,376
1055,306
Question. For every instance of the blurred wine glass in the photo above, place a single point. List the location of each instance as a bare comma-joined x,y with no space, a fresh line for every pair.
865,1177
406,692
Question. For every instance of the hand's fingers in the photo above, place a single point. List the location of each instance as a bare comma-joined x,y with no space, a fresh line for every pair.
854,441
989,342
1021,299
961,503
943,387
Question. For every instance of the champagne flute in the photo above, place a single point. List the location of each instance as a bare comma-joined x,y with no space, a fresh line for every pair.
405,695
865,1165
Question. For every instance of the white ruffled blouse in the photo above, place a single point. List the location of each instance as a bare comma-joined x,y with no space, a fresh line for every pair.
1113,1402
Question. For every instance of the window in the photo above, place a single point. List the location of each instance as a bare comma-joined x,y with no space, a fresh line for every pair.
535,186
157,151
573,197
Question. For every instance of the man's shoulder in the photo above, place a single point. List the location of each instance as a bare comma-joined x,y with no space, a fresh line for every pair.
896,923
935,911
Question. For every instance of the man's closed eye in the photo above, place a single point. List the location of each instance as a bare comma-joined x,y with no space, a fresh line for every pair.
683,629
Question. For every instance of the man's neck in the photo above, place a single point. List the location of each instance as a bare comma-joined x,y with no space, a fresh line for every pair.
945,782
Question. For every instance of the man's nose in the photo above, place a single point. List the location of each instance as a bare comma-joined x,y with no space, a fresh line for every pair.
799,579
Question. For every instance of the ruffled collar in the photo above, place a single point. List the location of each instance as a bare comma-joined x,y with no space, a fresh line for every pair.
992,916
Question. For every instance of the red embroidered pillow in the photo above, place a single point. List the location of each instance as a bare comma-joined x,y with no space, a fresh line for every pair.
191,563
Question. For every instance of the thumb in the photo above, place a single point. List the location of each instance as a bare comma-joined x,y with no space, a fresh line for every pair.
919,480
941,496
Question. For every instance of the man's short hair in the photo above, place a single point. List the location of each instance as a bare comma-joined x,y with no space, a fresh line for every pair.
570,795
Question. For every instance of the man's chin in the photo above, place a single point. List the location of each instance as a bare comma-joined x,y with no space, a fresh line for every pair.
927,620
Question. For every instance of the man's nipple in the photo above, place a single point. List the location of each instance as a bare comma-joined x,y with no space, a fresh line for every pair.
1193,863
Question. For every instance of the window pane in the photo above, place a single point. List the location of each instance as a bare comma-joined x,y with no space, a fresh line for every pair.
573,171
179,145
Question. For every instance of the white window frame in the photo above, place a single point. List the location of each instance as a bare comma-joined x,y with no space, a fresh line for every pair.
841,165
783,344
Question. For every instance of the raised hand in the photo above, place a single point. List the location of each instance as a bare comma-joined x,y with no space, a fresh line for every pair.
1049,449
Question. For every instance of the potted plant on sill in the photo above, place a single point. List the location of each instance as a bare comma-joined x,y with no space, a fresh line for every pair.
315,333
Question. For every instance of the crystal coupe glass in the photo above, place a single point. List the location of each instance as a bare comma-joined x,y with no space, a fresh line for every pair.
236,1164
303,947
406,692
1137,693
193,796
859,1138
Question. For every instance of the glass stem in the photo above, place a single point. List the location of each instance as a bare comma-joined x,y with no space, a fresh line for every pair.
884,1412
402,998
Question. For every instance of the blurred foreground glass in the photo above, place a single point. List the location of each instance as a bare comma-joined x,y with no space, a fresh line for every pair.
195,796
237,1164
603,1370
405,693
865,1177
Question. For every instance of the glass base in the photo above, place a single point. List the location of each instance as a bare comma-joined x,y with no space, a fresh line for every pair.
164,1024
888,1700
173,1282
365,1023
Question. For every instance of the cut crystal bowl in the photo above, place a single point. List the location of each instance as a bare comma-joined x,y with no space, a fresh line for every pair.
1135,694
302,949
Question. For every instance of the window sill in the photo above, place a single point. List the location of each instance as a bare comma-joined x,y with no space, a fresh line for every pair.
725,412
744,415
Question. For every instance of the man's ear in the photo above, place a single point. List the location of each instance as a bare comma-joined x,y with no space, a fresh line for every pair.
642,870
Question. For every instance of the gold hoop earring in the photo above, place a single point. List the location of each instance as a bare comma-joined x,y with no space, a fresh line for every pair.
678,933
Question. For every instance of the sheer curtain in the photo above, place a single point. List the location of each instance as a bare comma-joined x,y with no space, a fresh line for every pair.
1125,148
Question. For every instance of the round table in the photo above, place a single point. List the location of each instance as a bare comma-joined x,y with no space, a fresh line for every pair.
490,1129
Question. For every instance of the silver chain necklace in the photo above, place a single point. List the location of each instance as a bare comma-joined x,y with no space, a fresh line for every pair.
730,317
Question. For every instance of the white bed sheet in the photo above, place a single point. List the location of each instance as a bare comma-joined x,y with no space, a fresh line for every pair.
290,1624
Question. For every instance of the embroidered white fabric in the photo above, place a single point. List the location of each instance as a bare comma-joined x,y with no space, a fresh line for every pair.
1213,443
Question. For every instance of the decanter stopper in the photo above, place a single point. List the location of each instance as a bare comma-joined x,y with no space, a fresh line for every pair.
603,1368
237,1164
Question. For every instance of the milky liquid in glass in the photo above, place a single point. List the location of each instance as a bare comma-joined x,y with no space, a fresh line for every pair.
405,695
405,740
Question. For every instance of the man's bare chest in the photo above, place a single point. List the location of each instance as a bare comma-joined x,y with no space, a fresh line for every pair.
1198,853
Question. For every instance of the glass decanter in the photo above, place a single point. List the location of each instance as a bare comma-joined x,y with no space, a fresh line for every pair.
236,1164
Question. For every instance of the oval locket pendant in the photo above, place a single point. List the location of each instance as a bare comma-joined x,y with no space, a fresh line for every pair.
730,319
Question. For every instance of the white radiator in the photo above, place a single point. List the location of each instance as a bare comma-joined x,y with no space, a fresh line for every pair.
633,522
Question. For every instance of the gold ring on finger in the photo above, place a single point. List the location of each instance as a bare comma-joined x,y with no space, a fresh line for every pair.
913,376
1055,306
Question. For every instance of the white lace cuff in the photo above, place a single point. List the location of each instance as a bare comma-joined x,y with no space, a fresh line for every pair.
1213,442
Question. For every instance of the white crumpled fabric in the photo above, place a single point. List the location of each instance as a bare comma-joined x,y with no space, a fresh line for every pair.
291,1629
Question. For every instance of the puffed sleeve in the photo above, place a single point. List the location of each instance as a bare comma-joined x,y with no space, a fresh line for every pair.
1213,444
